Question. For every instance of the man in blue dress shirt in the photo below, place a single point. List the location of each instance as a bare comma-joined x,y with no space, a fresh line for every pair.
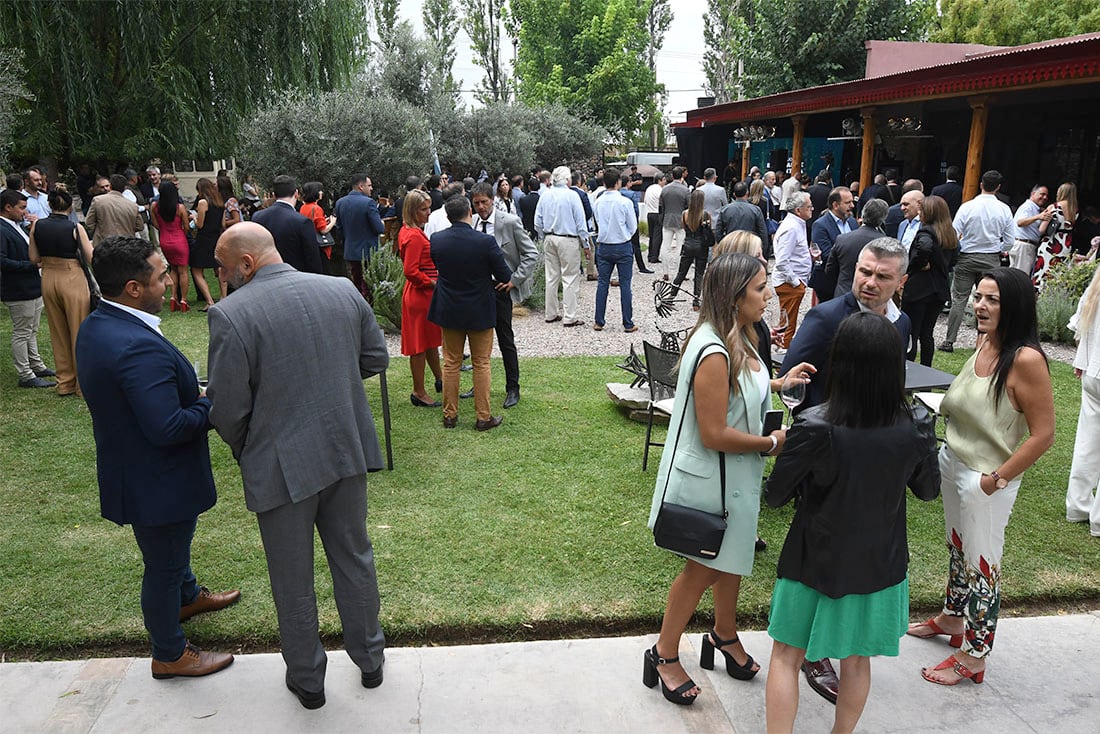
617,223
559,220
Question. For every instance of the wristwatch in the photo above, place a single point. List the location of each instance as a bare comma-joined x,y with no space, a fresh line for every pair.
998,481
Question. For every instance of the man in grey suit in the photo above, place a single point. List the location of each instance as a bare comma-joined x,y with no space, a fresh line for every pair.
522,257
674,202
714,196
292,408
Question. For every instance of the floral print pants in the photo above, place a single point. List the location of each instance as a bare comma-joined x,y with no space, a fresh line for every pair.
975,525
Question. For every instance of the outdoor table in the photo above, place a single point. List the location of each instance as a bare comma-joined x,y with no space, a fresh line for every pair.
919,377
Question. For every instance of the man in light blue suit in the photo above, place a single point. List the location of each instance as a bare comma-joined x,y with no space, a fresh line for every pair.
150,422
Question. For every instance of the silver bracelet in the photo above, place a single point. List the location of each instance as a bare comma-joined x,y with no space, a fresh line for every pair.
775,444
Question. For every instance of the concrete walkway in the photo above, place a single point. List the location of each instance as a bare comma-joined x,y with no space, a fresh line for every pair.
1042,678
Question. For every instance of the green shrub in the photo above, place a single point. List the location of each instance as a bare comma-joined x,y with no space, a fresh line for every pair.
1071,279
1054,308
643,227
537,300
384,273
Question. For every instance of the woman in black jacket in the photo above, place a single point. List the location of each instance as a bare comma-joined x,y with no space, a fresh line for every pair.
927,288
842,588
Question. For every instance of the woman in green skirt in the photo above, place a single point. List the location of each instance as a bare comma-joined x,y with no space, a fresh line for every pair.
842,589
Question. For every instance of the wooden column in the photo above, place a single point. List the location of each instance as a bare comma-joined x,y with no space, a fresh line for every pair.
745,160
796,147
867,162
978,119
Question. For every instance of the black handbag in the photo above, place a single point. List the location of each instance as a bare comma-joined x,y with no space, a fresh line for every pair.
688,530
94,294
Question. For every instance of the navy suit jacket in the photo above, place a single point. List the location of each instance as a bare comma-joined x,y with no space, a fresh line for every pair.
150,425
295,236
825,232
358,218
952,193
468,262
894,218
814,338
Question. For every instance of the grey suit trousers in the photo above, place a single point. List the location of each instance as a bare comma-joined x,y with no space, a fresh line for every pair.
339,513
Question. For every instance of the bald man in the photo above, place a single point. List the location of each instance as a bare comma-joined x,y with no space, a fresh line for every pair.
291,406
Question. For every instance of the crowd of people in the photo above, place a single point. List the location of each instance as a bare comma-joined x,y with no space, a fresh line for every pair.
880,267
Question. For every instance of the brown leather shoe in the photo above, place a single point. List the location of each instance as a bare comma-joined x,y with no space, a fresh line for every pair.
493,422
192,663
208,601
822,678
450,422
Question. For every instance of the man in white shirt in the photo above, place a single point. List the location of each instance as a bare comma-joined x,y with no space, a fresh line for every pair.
437,220
34,188
1029,217
793,265
910,224
652,201
986,230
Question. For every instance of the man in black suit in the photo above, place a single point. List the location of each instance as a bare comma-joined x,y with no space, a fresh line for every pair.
895,215
819,194
295,236
464,305
880,272
876,190
530,201
950,190
840,266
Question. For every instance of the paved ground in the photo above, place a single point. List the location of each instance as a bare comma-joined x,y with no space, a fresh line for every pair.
1042,678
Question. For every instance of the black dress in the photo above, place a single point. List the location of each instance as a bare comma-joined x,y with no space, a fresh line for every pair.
202,251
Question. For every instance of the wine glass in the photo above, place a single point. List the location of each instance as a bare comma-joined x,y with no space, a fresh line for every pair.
792,393
815,253
779,328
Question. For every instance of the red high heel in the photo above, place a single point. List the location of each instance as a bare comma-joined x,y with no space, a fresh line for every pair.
184,306
172,305
960,670
954,641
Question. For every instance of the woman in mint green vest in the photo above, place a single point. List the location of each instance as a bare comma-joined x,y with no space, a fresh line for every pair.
718,416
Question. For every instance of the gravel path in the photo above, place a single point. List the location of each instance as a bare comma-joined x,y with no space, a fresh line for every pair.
536,338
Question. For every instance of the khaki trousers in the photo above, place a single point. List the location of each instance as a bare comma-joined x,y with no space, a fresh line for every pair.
67,301
481,346
562,258
25,318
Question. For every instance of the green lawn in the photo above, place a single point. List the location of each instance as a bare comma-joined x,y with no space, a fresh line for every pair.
534,530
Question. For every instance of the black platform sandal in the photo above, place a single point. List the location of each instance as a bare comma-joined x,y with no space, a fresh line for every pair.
650,678
712,641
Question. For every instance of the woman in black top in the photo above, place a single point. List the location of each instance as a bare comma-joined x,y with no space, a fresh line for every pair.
842,587
698,238
927,288
209,213
65,294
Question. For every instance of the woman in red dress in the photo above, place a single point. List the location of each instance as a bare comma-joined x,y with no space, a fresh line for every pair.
170,217
420,338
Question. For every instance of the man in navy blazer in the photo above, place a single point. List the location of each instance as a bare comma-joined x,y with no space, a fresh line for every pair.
150,422
295,236
358,218
880,272
464,304
837,220
951,190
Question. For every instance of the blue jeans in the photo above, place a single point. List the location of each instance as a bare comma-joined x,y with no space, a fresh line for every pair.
607,258
167,584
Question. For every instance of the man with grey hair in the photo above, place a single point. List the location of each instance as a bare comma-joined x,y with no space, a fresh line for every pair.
714,196
560,222
841,265
793,263
674,202
880,272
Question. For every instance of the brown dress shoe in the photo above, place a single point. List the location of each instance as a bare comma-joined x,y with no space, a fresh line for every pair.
493,422
450,422
192,663
822,678
208,601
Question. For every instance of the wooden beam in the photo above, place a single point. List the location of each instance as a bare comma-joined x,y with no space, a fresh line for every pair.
978,118
745,160
867,162
796,148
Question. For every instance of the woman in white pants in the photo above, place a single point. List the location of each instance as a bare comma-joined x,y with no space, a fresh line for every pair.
1084,475
1002,393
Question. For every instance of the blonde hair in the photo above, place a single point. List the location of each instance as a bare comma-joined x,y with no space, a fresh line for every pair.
742,241
756,191
1089,302
724,286
413,200
1067,193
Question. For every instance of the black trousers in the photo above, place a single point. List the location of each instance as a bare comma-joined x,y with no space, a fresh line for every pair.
922,314
654,222
697,256
506,340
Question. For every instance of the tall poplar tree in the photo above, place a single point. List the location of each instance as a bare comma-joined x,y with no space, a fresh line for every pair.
483,22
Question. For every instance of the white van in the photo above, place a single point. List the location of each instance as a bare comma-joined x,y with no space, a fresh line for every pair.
189,171
650,158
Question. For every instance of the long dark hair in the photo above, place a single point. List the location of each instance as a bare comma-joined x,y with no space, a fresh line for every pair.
1018,325
866,384
169,202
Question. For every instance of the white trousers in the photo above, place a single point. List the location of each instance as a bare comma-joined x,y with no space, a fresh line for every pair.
25,318
562,256
1022,256
672,240
975,524
1083,496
